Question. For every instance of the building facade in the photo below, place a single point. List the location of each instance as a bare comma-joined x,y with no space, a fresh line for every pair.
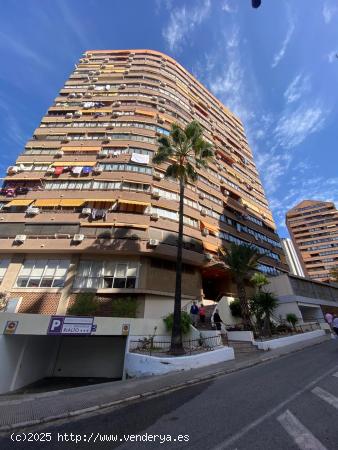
313,228
292,257
83,209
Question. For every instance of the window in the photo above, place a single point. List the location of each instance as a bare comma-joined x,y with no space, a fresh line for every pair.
43,273
106,274
4,263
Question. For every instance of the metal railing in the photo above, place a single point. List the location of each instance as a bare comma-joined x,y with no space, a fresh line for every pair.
154,346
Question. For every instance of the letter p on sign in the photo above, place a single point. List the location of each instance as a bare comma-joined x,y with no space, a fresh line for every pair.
55,325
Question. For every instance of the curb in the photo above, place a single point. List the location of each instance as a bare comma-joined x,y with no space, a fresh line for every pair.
149,394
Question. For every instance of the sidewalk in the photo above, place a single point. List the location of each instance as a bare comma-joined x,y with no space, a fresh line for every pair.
19,411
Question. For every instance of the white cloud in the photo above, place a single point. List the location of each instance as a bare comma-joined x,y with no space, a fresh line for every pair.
294,127
71,19
329,11
229,6
183,21
299,86
281,53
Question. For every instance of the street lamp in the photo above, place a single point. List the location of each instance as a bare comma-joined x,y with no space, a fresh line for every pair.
256,3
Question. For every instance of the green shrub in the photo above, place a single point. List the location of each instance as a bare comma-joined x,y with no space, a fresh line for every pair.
124,307
185,322
235,308
85,305
292,319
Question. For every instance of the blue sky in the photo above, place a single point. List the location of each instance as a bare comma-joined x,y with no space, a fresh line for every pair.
275,67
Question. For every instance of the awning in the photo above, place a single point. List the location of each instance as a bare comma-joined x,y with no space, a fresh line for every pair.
132,202
91,200
102,110
210,227
130,225
19,202
71,202
251,206
81,149
47,202
145,113
210,247
73,163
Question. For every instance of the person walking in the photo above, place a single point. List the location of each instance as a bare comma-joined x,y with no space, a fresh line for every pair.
335,324
202,313
194,310
217,320
329,318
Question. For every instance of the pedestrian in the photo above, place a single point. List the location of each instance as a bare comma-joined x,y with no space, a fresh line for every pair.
329,318
217,320
194,310
335,324
202,313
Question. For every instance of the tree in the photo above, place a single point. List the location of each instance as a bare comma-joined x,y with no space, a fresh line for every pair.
184,150
334,274
264,304
241,260
292,319
259,280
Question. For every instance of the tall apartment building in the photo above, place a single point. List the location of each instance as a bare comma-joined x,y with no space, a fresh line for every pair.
84,209
292,257
313,227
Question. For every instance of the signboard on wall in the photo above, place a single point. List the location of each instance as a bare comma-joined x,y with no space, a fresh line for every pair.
125,329
11,326
71,325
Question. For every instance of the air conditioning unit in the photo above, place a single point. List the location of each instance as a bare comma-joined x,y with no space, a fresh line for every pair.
97,170
79,95
32,211
205,232
162,100
59,153
65,140
91,87
201,196
98,72
77,114
106,140
122,86
117,104
208,256
154,216
158,176
203,212
106,60
78,237
156,194
91,72
72,95
88,95
162,110
86,211
20,238
95,79
103,154
50,170
12,170
115,114
153,242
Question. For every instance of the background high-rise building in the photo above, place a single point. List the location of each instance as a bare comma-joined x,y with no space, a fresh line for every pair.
313,227
292,258
84,208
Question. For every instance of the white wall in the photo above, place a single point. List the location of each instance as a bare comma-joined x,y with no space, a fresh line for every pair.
25,359
88,356
288,340
137,365
286,308
225,312
159,307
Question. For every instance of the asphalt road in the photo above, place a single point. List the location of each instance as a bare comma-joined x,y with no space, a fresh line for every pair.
286,404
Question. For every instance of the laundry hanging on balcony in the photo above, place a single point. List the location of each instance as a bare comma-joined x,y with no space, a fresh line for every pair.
58,170
139,159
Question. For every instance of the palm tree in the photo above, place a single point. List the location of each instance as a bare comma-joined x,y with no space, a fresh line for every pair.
292,319
259,280
241,260
185,150
265,303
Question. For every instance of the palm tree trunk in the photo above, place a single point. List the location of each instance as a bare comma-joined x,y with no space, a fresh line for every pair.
267,330
176,336
244,304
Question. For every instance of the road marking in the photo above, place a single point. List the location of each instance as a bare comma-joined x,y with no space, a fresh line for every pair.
235,437
326,396
300,434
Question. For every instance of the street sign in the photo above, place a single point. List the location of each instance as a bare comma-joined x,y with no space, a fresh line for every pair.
71,325
11,326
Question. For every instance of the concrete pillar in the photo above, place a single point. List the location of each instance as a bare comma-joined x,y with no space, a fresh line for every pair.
67,289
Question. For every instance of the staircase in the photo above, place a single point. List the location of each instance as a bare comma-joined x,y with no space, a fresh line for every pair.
209,309
243,349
